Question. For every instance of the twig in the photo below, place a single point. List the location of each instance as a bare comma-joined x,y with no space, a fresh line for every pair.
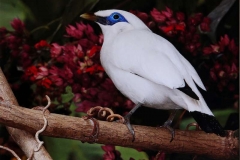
13,153
40,143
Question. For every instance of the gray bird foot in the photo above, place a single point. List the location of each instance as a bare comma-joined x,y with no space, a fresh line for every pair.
129,126
167,125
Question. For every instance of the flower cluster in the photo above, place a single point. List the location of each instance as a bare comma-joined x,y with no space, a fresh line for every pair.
181,27
16,42
224,71
76,63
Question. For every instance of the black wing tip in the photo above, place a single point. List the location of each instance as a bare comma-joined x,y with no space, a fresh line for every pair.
188,91
208,123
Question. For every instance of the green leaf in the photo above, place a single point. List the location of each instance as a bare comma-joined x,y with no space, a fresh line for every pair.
66,149
10,9
127,153
68,96
221,116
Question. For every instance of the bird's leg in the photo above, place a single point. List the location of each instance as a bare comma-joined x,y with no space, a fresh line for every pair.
168,123
127,120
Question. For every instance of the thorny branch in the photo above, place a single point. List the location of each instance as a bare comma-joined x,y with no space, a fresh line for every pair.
150,138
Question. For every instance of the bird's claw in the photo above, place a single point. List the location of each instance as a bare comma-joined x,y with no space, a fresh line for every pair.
172,131
129,126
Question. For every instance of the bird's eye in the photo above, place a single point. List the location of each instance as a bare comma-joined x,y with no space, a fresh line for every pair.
115,16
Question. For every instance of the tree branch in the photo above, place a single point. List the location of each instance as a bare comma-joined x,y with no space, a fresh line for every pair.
24,139
189,142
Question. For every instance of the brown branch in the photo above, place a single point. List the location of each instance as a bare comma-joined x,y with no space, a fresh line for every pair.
24,139
150,138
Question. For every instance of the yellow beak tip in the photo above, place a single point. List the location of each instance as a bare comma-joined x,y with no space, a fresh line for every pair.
88,16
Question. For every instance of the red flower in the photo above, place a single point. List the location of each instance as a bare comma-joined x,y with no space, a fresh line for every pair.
31,72
207,50
46,83
94,68
180,16
180,26
167,29
42,44
224,41
18,25
205,24
233,48
93,51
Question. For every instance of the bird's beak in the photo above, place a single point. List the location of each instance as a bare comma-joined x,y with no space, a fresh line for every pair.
89,16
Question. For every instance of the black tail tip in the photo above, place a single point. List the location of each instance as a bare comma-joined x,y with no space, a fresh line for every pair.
208,123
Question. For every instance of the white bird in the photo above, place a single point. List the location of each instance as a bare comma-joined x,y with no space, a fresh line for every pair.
149,70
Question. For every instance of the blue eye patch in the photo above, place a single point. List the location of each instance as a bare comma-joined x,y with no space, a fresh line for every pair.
112,19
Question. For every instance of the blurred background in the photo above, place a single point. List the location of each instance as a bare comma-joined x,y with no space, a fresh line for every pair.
45,48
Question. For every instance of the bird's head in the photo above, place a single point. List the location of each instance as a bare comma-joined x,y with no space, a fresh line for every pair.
115,21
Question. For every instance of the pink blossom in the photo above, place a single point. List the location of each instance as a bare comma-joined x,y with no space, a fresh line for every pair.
74,32
54,70
77,97
168,12
111,153
56,80
81,27
42,72
157,16
55,50
224,41
18,25
66,73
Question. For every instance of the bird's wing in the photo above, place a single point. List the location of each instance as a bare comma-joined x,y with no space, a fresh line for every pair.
192,72
141,53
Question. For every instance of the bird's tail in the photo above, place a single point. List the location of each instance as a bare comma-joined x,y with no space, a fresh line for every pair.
208,123
205,118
